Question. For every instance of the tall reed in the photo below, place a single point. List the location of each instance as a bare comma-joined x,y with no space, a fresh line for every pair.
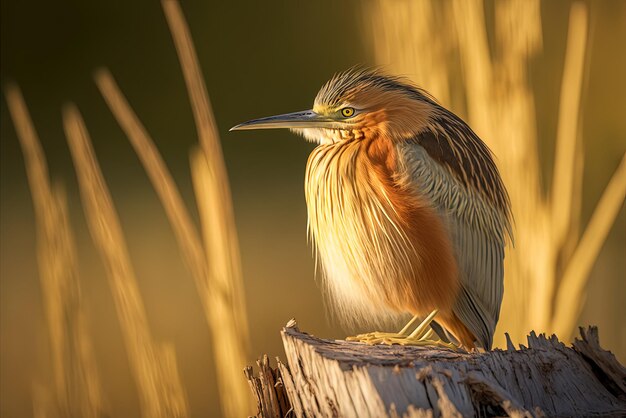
154,369
227,316
444,46
76,390
213,260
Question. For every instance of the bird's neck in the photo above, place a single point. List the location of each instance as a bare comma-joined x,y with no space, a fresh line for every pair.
365,168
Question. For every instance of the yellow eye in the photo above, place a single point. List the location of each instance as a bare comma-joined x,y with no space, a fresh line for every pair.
346,112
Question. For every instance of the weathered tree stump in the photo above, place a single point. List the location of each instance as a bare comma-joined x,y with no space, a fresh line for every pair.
328,378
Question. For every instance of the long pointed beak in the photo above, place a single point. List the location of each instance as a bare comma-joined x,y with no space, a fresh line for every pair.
305,119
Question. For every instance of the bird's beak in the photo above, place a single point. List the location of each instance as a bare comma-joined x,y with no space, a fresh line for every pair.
305,119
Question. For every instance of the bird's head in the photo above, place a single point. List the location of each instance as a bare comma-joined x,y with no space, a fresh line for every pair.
357,104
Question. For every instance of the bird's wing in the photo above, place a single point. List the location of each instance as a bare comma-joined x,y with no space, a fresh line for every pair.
480,260
478,231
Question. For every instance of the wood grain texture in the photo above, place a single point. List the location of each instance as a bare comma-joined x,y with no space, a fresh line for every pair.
336,378
269,390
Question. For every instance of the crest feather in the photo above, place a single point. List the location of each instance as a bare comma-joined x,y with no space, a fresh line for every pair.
342,84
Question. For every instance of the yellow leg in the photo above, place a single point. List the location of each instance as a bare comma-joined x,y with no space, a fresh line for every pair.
419,337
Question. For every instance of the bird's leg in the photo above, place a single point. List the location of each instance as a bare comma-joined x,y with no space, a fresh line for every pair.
419,337
408,326
383,337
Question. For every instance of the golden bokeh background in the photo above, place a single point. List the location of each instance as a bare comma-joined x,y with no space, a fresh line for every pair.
257,59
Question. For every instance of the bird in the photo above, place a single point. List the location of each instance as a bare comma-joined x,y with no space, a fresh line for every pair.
407,211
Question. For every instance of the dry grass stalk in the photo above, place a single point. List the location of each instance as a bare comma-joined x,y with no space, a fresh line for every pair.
567,143
574,280
76,385
161,393
227,354
218,275
564,204
566,196
227,314
548,262
228,342
186,234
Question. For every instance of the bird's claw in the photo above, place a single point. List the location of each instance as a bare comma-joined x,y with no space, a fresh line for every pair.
388,338
420,337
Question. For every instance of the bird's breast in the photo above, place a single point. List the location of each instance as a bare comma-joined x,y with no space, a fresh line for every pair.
372,236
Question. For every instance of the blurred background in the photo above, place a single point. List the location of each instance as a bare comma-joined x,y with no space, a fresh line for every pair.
259,59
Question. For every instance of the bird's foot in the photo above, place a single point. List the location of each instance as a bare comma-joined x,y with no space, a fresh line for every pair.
421,336
390,338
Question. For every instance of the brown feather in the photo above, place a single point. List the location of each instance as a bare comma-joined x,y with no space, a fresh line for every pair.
435,283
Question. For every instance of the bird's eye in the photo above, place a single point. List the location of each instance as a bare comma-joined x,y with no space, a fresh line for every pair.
346,112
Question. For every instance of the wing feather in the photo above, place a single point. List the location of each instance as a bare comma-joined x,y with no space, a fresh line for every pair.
478,230
480,258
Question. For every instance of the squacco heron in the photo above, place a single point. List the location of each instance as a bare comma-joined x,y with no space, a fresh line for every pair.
406,210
